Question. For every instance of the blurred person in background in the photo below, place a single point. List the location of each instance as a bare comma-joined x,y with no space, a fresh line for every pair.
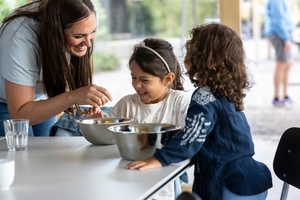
278,28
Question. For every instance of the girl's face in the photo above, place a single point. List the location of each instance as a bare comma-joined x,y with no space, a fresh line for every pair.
150,88
78,37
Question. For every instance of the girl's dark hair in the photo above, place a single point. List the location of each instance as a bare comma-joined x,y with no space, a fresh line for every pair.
215,58
152,64
60,71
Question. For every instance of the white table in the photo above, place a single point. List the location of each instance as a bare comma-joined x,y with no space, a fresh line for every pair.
70,168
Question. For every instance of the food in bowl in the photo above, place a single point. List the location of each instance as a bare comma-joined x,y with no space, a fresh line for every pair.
95,130
137,141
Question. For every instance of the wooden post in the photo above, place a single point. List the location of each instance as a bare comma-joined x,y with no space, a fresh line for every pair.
230,14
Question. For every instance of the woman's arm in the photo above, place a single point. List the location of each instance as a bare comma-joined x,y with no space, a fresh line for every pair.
21,104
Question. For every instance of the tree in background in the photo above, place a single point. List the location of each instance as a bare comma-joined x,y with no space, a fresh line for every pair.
141,20
119,16
164,17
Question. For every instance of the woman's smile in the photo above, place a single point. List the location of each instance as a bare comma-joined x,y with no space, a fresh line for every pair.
81,47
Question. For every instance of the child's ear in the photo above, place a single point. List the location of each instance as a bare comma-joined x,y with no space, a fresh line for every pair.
169,78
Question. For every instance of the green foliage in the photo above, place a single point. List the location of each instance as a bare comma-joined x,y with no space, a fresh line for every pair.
164,17
105,61
7,6
102,28
141,19
4,9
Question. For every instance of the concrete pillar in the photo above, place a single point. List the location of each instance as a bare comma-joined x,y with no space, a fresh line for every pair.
230,14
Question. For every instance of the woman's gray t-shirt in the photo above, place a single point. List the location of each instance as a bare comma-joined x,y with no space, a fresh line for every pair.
20,61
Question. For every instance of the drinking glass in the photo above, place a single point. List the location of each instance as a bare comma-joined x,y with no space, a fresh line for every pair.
16,133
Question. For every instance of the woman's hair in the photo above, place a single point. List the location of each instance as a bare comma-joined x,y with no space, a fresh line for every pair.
215,58
60,71
151,63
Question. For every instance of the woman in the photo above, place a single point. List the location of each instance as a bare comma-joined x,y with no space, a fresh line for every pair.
45,51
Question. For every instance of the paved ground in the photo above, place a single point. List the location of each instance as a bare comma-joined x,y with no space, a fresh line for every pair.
267,122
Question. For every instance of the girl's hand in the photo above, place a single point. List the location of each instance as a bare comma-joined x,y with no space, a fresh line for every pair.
95,112
147,163
144,139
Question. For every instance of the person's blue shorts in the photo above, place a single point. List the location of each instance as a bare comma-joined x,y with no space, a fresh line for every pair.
278,45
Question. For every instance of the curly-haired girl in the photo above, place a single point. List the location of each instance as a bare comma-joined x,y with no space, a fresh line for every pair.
216,133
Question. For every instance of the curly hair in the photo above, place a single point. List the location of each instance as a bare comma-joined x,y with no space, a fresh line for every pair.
152,64
215,57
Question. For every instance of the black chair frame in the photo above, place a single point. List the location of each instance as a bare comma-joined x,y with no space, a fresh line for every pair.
286,163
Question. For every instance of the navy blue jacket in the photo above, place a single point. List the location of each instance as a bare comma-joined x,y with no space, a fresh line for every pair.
218,137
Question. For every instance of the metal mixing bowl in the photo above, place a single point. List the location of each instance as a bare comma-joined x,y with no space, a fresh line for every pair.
137,141
95,130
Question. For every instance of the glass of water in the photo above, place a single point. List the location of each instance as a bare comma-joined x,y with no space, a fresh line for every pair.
16,133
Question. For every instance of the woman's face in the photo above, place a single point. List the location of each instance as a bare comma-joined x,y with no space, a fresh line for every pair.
150,88
78,37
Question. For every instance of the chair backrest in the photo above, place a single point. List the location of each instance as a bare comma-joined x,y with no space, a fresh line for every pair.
286,163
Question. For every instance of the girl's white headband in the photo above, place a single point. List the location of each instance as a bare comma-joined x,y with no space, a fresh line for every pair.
142,44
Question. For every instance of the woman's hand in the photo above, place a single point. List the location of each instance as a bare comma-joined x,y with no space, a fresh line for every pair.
147,163
21,102
93,95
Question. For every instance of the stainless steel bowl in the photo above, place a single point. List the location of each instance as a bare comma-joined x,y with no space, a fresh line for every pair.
137,141
95,130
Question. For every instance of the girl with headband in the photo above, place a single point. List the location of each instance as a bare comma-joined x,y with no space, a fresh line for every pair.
160,97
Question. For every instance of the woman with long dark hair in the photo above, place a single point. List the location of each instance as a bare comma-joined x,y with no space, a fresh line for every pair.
46,62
